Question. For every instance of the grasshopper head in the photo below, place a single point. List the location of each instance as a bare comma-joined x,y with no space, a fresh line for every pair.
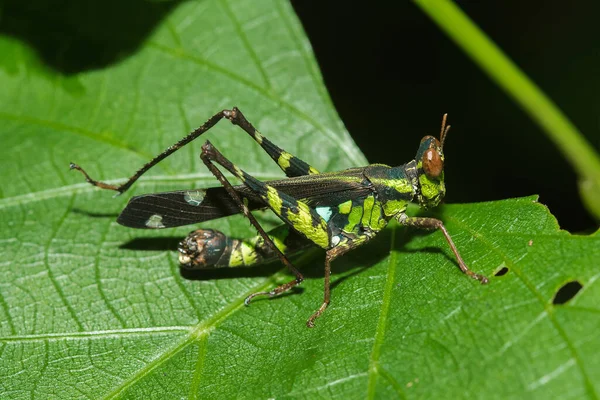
430,164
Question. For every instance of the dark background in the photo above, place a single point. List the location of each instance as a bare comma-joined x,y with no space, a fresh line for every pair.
392,73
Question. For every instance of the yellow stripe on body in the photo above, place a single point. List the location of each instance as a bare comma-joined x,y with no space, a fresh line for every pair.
354,218
377,221
368,203
345,207
248,253
400,185
393,207
301,219
236,259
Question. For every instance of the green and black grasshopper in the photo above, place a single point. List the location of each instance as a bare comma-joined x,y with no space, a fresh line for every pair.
337,211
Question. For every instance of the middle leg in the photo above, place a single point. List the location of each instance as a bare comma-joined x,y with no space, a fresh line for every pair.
342,248
299,216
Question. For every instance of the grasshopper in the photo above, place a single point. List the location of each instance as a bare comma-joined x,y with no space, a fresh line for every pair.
336,211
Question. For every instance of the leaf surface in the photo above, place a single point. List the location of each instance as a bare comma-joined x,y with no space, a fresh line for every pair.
91,309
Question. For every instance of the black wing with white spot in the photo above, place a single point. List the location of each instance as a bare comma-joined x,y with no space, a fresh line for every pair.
186,207
181,207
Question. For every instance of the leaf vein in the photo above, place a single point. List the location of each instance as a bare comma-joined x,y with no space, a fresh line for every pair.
183,289
383,315
310,65
546,306
101,334
247,45
98,278
51,276
351,152
197,334
9,317
59,126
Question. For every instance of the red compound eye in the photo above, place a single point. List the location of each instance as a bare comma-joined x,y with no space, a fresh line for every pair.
432,164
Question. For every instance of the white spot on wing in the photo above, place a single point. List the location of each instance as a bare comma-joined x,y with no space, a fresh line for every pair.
155,222
194,197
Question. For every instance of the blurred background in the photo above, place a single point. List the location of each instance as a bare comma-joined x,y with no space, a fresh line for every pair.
392,74
390,71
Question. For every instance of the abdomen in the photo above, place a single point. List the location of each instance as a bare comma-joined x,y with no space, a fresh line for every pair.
208,248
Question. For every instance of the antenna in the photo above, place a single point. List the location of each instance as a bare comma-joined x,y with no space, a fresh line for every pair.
444,130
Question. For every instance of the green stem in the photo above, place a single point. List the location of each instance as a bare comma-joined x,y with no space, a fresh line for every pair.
509,77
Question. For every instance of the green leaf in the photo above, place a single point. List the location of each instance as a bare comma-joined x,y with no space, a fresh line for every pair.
89,308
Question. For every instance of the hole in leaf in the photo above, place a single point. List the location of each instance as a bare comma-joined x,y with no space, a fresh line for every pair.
501,271
567,292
